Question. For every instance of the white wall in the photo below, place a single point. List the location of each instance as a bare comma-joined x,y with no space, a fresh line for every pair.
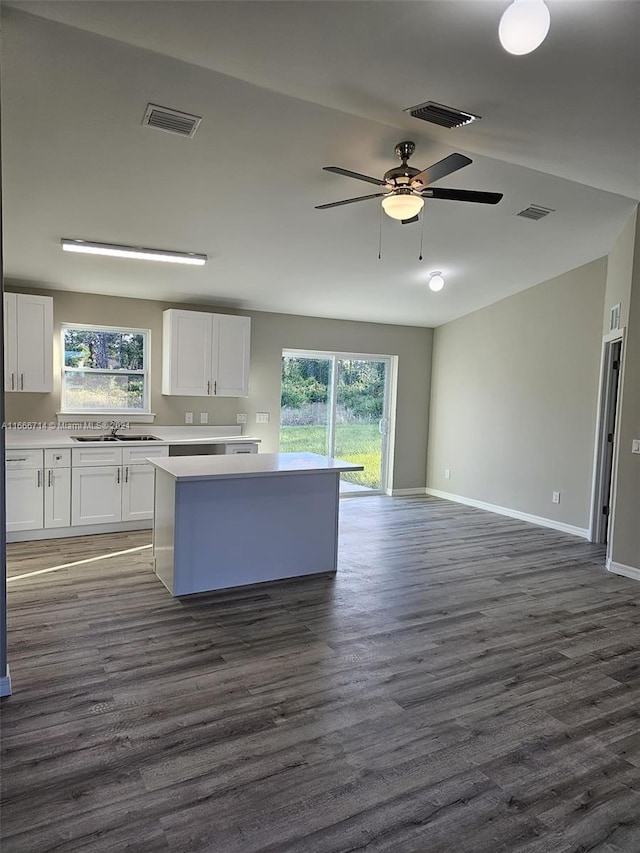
514,398
625,540
270,334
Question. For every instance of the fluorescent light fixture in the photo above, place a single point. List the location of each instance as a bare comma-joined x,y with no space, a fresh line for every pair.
86,247
436,281
524,26
402,204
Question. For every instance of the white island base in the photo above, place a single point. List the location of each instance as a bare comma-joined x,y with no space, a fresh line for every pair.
227,521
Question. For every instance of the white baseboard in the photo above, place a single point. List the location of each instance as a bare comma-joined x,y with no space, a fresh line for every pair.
405,492
5,684
583,532
80,530
621,569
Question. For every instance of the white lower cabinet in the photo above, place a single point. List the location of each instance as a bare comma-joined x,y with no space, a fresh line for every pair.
137,492
24,499
107,493
38,497
57,497
96,494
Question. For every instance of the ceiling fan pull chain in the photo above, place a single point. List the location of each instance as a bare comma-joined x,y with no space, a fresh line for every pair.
380,236
421,235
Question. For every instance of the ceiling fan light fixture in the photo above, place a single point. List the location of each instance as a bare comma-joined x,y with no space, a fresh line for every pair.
402,205
524,26
436,281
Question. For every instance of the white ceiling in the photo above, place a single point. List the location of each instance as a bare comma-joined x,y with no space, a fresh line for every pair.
285,88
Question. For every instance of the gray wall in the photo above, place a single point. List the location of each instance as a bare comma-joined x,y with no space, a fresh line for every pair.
270,334
625,544
514,398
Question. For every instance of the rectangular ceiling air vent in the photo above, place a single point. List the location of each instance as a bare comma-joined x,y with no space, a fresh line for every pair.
535,212
440,114
171,121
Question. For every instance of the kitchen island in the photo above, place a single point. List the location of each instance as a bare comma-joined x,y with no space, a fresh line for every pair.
227,521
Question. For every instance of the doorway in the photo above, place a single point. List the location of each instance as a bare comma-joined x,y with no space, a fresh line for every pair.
337,404
606,441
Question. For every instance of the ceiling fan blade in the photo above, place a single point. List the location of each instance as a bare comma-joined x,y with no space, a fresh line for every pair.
442,168
462,195
407,221
348,201
356,175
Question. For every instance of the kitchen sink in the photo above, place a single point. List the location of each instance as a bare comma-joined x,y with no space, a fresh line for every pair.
94,438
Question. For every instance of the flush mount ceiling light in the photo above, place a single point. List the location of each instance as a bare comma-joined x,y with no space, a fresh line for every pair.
436,281
524,26
402,204
87,247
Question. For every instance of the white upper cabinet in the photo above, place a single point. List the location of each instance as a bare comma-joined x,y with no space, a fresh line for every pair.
205,354
28,341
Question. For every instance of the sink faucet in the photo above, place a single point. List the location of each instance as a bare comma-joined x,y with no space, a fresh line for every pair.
115,426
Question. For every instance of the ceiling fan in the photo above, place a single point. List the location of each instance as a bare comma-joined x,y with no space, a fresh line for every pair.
406,188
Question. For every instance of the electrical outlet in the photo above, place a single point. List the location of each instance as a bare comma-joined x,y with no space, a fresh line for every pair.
204,417
447,473
188,417
555,497
241,418
262,417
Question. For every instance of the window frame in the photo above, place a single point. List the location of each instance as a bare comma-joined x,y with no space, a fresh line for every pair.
145,372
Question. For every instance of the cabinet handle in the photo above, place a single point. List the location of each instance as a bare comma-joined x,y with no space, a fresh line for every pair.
215,387
39,478
117,475
13,382
17,459
126,474
22,381
49,478
208,386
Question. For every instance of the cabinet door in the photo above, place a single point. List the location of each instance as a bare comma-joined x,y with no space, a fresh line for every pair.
10,342
230,356
24,499
57,497
96,494
186,353
137,492
34,343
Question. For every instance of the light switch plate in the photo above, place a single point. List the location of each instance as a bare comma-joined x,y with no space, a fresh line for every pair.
262,417
241,418
635,445
555,497
204,417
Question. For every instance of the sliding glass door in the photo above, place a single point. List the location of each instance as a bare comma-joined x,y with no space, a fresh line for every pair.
337,405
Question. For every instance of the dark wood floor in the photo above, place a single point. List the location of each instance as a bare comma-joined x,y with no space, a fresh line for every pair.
467,683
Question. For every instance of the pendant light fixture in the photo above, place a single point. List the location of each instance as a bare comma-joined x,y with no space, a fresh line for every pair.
524,26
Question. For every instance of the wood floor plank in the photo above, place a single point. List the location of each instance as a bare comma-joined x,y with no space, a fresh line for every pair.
466,683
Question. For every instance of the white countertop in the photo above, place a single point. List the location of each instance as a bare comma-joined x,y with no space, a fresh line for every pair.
28,439
250,465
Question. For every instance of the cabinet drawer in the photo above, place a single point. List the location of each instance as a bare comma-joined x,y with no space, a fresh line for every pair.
82,457
17,459
241,447
137,455
57,458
